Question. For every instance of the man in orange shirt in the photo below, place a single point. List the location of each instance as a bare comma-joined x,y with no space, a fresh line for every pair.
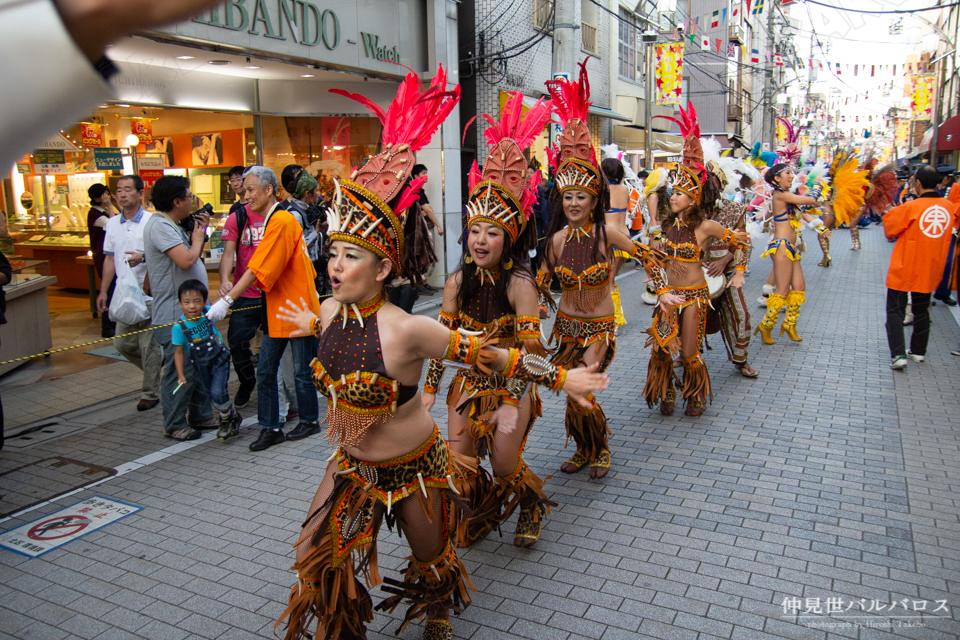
281,268
922,228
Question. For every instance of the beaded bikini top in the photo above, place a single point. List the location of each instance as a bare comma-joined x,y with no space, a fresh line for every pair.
482,313
584,282
349,371
680,243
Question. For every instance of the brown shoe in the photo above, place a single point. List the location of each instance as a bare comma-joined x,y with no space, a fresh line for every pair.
145,405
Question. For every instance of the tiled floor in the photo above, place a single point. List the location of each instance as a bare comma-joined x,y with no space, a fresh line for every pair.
829,481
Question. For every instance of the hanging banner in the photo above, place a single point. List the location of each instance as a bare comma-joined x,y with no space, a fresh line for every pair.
781,132
921,100
902,133
143,129
669,72
91,135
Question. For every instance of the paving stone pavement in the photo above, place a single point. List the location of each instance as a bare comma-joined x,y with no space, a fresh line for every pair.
830,480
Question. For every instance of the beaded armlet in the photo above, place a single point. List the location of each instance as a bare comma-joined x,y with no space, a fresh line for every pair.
544,301
436,367
647,255
535,369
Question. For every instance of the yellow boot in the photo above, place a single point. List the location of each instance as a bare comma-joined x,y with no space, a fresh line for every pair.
774,303
794,300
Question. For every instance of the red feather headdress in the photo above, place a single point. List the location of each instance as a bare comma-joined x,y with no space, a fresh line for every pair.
575,155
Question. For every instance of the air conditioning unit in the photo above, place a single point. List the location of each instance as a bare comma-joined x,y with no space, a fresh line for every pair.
734,112
736,33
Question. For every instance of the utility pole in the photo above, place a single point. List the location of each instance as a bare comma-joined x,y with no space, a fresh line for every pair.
769,128
565,44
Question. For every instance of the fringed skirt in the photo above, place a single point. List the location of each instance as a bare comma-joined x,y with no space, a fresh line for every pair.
329,601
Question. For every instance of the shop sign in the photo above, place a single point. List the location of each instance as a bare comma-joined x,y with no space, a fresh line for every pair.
24,165
371,47
58,142
49,156
150,163
26,200
91,135
108,158
150,176
143,129
315,25
555,128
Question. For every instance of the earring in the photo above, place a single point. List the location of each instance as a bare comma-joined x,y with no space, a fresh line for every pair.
508,264
468,259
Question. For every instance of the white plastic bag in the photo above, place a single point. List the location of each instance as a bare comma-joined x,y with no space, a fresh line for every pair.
129,305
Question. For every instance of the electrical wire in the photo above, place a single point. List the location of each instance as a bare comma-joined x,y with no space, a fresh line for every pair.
900,11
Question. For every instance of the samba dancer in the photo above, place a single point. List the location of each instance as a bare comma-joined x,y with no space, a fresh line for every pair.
493,290
577,249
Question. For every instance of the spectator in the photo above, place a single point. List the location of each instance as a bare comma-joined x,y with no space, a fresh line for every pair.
242,233
124,240
922,229
173,257
236,185
211,359
281,268
101,210
420,171
304,193
946,189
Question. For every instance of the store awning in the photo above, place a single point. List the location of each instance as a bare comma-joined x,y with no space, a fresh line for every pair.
634,138
609,113
948,136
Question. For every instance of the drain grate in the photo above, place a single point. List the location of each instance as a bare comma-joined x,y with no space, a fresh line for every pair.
44,480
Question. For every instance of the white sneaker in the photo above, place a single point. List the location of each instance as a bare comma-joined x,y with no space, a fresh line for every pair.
900,362
908,319
762,300
915,357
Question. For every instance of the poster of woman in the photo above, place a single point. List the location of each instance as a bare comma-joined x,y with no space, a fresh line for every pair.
207,149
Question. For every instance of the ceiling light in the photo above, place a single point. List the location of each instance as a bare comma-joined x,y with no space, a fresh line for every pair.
218,63
184,57
123,105
251,66
306,75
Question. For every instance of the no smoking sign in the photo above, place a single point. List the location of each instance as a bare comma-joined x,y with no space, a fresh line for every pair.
51,531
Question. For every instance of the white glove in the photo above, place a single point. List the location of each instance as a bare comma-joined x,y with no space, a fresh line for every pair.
218,311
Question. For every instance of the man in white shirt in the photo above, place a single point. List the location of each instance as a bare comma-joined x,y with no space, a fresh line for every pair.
124,242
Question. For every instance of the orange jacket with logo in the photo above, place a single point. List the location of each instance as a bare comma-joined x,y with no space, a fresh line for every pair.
922,228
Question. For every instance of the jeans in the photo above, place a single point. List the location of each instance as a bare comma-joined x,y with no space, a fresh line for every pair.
192,398
244,323
108,326
213,372
142,351
943,291
403,296
896,309
268,398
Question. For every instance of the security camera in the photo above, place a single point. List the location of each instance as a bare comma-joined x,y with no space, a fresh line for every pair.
649,36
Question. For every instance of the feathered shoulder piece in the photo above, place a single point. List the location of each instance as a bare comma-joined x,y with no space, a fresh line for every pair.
883,189
501,194
849,183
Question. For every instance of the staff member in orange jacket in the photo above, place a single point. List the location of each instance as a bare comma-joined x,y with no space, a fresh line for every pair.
922,228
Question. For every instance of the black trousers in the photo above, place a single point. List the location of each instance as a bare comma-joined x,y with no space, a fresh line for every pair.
896,310
244,323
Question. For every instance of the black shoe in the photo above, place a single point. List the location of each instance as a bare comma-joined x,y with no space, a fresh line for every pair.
304,430
268,438
243,395
146,405
947,300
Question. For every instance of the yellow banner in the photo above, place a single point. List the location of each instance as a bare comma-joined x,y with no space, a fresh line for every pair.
903,132
669,72
921,102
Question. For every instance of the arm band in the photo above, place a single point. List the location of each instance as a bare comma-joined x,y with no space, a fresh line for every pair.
535,369
544,301
316,327
436,367
659,279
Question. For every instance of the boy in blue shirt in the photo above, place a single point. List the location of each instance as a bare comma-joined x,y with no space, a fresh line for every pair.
208,353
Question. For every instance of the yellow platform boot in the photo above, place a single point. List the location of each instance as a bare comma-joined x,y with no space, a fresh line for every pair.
774,303
789,326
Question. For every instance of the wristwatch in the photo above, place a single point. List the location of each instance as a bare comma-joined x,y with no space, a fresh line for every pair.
229,300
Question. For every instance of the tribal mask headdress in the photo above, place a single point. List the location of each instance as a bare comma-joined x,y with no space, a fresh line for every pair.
789,153
370,208
501,195
576,161
690,172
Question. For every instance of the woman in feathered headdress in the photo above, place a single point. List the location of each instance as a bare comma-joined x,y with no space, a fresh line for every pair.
493,290
684,296
579,251
390,461
787,213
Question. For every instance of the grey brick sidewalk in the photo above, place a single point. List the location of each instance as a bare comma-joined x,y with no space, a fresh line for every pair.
827,477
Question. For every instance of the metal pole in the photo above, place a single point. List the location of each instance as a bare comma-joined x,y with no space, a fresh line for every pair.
648,111
936,112
769,127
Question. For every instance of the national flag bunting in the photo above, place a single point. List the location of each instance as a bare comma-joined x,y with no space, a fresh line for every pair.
755,56
715,19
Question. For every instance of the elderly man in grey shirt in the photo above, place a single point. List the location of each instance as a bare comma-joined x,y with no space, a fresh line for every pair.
173,257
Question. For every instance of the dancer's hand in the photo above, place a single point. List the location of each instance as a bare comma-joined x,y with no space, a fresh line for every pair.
737,280
300,316
428,399
669,300
505,418
827,234
583,380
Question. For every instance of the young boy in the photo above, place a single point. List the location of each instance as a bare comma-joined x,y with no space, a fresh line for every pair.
207,352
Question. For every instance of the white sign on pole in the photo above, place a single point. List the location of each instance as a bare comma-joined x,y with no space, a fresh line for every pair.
151,163
51,531
555,128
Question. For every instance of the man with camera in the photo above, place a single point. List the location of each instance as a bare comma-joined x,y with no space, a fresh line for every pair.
173,257
123,242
